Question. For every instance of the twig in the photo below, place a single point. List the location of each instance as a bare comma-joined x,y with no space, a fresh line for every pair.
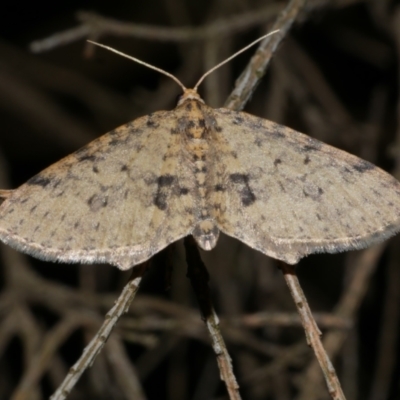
198,275
256,68
252,321
363,266
312,332
94,347
125,373
42,359
96,26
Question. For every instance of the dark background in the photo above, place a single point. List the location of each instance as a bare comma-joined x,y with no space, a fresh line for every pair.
335,77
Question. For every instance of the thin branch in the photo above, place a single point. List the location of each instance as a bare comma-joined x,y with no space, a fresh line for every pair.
363,266
97,343
312,332
256,68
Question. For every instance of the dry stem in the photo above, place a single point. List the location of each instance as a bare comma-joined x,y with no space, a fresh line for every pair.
97,343
312,332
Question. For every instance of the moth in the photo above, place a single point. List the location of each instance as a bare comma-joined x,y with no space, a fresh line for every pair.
200,171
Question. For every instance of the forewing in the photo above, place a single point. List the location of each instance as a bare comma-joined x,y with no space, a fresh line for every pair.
119,200
289,195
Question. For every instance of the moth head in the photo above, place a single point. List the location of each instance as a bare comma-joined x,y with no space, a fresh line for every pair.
189,94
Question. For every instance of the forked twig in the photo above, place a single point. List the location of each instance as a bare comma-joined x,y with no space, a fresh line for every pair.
312,332
198,275
97,343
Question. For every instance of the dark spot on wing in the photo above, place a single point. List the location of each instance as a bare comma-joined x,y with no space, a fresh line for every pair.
160,200
183,191
95,169
163,183
165,180
150,122
96,202
276,131
39,181
306,160
32,209
76,224
138,147
347,170
188,106
313,146
190,124
277,161
363,166
219,188
312,191
238,120
124,168
259,142
218,128
246,194
82,155
282,187
114,142
239,178
202,123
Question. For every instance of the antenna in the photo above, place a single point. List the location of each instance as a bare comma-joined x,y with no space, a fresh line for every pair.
231,57
142,63
174,77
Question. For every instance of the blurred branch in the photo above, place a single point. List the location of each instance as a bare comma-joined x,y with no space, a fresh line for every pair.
95,26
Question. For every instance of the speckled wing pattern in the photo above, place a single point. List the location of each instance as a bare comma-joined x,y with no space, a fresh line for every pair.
106,202
289,195
196,170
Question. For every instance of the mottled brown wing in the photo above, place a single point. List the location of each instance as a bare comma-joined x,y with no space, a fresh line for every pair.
118,200
288,195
